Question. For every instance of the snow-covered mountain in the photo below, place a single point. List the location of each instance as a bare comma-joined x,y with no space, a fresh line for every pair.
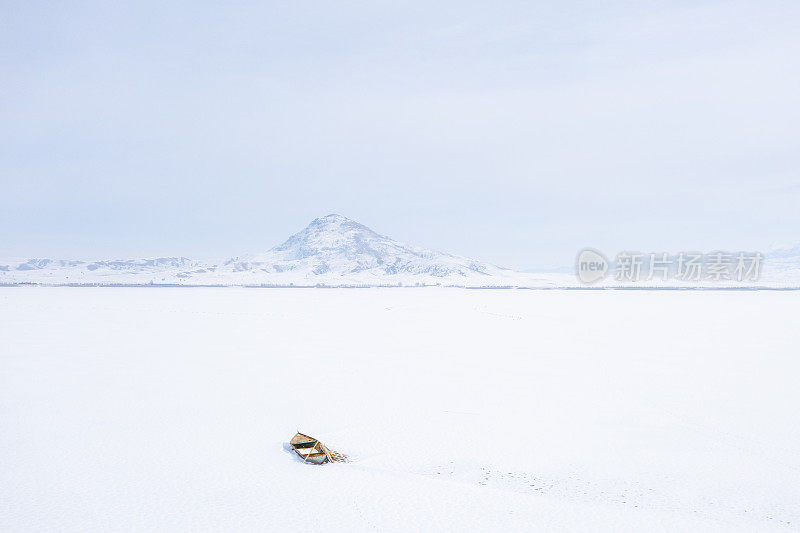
337,245
331,250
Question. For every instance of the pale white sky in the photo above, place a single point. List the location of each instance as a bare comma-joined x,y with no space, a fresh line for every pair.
515,134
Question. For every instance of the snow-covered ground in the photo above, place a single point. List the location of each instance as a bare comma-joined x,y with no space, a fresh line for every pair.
168,409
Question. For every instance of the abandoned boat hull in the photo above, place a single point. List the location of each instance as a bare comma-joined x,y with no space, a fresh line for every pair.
310,449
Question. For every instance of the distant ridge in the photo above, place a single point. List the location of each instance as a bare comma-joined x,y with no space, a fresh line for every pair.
335,251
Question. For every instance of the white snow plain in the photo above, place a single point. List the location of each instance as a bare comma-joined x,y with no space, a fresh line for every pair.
169,409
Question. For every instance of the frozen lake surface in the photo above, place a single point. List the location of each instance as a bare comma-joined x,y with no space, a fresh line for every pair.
169,409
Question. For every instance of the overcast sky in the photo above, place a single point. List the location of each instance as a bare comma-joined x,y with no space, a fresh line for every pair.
512,132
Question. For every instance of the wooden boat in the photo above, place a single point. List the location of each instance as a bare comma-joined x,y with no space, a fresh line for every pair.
313,451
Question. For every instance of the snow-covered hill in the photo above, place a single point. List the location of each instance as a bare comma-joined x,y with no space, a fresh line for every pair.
782,263
342,247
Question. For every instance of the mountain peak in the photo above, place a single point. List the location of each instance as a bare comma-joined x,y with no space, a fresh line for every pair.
334,222
333,217
331,232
